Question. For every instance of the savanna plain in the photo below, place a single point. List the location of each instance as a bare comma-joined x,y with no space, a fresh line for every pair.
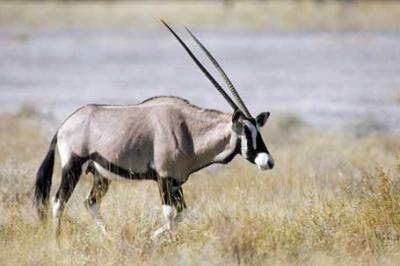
332,199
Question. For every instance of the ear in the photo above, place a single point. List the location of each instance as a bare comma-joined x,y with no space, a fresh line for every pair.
236,125
262,118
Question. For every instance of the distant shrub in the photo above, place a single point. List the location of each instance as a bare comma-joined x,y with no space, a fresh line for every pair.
289,122
367,126
23,37
27,110
397,98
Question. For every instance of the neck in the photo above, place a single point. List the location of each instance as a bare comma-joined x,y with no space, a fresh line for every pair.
219,145
232,148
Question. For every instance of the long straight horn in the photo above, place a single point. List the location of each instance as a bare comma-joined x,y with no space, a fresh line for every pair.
224,76
203,69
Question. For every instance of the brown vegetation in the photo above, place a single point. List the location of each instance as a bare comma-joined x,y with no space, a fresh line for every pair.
273,15
333,199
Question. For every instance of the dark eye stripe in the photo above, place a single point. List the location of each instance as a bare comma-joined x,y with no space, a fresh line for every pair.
250,153
249,137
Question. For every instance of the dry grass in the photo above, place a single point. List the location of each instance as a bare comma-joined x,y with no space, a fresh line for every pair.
333,199
274,15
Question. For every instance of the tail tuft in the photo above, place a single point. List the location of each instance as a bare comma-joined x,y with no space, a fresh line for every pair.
43,181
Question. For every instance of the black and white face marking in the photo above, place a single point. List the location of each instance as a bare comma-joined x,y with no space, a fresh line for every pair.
253,148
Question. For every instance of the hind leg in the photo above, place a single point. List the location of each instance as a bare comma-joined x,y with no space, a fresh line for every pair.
92,203
71,173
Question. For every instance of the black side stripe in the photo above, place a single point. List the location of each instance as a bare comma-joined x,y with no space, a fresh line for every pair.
115,169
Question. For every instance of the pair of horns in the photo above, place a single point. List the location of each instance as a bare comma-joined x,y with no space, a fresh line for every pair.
235,94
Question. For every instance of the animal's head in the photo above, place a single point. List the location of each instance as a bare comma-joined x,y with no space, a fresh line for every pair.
252,146
243,123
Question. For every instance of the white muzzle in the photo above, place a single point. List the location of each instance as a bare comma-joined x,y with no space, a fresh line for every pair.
264,161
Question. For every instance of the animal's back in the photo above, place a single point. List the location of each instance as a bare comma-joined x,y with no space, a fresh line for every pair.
173,100
161,125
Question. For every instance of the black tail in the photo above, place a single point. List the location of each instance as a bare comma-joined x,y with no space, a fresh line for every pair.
43,181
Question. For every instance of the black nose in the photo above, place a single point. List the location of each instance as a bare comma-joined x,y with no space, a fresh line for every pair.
271,163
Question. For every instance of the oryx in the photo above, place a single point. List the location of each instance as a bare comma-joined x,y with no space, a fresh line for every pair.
164,139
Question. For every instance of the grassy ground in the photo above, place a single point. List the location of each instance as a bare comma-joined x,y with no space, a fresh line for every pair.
333,199
273,15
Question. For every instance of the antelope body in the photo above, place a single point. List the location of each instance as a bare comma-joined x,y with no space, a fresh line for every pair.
164,139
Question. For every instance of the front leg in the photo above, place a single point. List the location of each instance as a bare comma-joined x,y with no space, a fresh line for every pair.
178,201
165,186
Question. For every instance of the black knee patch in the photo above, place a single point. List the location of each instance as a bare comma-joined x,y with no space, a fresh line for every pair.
177,198
165,188
99,188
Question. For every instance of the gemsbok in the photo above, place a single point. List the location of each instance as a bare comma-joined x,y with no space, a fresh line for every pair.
164,139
